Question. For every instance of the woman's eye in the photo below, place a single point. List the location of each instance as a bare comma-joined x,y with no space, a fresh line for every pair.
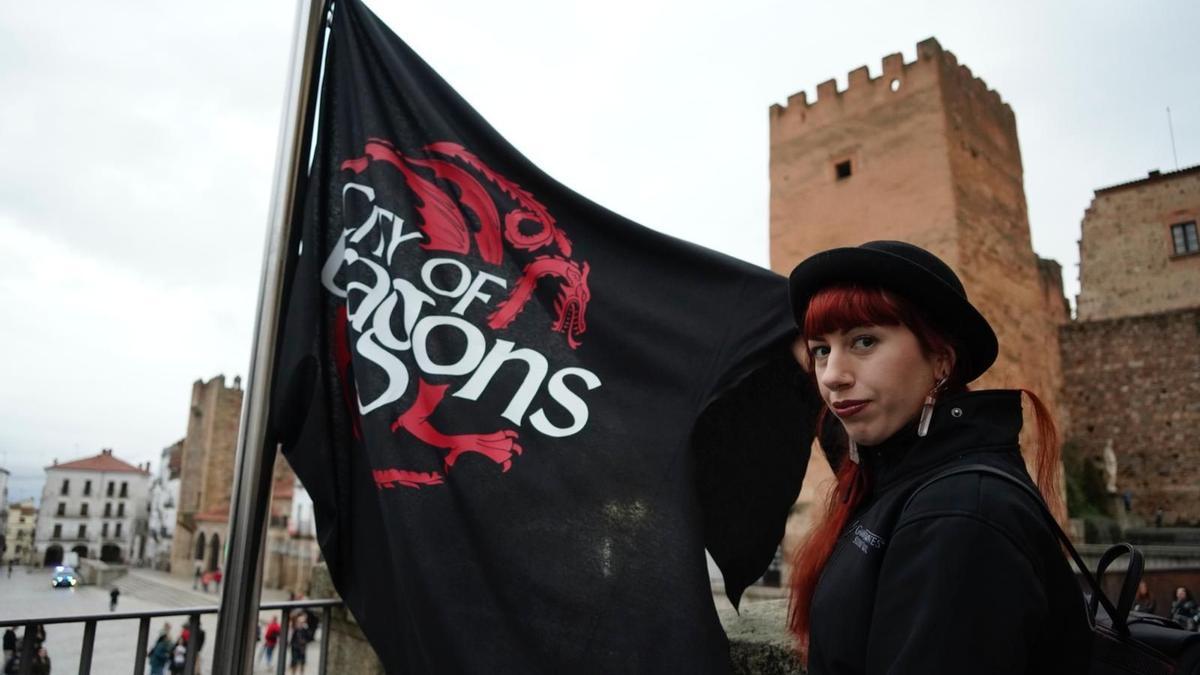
865,341
819,351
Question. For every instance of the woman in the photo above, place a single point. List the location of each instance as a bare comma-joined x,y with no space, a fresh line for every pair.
299,643
968,577
160,653
1184,610
1143,601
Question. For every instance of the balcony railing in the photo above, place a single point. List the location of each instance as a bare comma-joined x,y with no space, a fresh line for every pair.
193,614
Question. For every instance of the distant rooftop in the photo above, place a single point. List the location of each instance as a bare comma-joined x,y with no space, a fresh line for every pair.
101,462
1151,177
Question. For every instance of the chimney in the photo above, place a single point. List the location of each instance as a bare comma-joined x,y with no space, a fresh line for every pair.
1154,174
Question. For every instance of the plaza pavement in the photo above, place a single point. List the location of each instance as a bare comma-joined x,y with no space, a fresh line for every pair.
28,595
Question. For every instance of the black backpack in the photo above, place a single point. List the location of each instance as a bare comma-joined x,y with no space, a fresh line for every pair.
1123,642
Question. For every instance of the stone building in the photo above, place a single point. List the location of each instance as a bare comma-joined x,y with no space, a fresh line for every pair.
1131,361
164,503
4,545
206,476
208,455
925,152
292,548
92,507
18,532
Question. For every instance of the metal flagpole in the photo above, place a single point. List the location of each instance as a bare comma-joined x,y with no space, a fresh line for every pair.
250,505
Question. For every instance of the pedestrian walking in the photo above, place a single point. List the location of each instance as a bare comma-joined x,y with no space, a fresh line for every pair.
160,654
10,643
10,566
299,644
179,654
196,579
889,578
270,639
41,662
38,637
112,598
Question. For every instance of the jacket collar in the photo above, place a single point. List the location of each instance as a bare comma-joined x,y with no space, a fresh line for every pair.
969,422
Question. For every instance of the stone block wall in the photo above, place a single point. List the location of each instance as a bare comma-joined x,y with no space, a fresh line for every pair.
206,463
1127,260
1134,384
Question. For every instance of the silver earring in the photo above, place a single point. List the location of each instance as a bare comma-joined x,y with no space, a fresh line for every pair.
927,408
853,451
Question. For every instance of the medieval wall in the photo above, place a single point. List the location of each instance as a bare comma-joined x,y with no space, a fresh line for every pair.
934,160
1127,261
900,185
207,462
1133,384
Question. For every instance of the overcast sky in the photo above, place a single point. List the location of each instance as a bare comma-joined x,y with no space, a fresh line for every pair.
137,141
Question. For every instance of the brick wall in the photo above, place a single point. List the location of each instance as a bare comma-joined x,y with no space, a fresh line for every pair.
1135,383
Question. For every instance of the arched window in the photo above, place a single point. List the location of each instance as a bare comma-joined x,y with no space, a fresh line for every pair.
200,547
214,557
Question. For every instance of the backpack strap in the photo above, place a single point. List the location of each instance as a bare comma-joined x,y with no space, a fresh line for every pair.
1118,614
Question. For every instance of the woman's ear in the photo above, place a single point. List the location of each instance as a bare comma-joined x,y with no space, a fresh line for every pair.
943,363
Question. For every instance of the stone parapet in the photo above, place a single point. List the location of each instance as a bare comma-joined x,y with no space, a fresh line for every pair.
759,643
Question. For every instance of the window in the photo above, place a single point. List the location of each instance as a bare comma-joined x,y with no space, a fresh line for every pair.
83,531
121,510
104,530
83,509
842,170
1184,237
66,487
118,534
108,509
62,509
124,489
57,532
111,486
87,488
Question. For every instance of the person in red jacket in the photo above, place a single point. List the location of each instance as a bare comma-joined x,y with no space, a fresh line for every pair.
270,640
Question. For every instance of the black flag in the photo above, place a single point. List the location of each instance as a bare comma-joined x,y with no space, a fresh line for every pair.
521,417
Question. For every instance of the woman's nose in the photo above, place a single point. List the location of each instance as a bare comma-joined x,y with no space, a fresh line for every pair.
837,373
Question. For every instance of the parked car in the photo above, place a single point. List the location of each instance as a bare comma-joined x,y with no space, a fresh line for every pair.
64,577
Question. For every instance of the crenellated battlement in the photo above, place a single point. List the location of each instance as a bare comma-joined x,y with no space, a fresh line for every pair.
897,77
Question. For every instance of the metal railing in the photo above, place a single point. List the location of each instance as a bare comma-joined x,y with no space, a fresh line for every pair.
193,614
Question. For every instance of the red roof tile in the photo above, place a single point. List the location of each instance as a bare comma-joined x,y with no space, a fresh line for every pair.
101,462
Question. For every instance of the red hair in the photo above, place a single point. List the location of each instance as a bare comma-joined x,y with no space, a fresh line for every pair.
843,307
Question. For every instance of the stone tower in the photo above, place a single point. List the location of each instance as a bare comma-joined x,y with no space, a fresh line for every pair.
206,471
924,153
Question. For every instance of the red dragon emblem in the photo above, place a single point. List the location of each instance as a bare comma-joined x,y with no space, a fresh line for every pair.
448,182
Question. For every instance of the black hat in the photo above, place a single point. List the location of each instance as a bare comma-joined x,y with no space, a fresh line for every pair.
912,272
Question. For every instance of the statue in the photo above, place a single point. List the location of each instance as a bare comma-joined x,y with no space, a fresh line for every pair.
1110,468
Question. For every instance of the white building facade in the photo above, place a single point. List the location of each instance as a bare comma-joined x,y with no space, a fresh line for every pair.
163,509
95,507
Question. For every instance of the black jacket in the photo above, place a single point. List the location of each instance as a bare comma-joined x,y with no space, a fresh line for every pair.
968,579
